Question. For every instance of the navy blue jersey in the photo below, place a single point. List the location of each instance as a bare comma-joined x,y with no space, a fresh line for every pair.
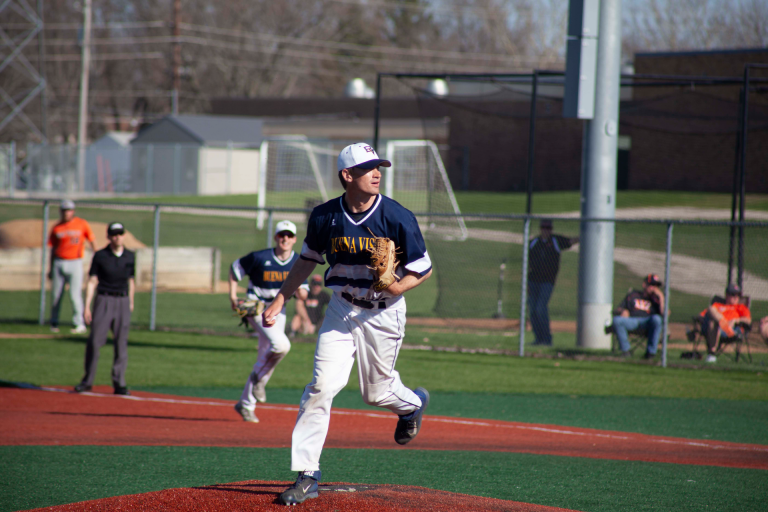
333,233
265,271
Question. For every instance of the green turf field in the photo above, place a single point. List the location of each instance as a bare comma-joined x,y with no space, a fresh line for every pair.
727,401
727,404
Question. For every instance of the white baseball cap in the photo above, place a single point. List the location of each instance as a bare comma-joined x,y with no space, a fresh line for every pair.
360,155
285,225
67,204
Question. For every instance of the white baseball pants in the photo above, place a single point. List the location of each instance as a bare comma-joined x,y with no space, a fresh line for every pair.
274,345
375,336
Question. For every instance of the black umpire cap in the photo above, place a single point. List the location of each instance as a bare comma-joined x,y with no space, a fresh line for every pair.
115,228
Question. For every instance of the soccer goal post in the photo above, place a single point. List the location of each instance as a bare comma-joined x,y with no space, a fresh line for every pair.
418,181
294,173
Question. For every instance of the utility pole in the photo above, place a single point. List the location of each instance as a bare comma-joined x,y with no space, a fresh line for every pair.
82,123
41,67
176,57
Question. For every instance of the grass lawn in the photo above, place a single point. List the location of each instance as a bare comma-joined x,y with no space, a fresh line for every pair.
198,360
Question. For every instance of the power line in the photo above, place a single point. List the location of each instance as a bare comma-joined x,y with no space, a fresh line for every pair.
413,52
76,57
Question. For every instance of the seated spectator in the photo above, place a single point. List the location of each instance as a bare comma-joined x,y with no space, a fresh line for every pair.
641,310
719,319
310,312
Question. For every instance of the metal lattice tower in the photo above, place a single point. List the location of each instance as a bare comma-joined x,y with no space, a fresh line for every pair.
20,80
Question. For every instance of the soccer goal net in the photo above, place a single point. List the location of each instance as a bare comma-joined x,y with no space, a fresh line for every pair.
418,181
295,172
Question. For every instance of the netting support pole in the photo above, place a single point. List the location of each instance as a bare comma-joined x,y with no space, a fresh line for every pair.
531,142
43,264
667,275
376,109
742,173
524,281
155,251
735,191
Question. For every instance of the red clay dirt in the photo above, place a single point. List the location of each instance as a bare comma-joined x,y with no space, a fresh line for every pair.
338,497
45,417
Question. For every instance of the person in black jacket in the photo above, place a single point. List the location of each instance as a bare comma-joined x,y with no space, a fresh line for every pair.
112,281
641,309
544,256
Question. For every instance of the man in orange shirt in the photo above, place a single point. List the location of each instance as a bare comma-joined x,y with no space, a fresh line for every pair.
722,318
67,241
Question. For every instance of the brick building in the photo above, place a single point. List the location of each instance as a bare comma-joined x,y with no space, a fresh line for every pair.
680,137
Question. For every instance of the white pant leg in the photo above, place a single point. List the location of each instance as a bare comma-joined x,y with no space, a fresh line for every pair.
334,357
75,269
274,345
378,338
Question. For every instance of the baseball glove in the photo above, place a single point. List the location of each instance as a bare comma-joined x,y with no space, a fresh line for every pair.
249,308
383,262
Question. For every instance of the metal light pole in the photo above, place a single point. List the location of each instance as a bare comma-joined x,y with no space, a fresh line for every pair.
598,187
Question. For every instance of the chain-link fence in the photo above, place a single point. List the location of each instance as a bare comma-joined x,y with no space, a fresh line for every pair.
477,289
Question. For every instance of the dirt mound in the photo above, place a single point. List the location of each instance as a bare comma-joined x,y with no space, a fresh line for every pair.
28,234
342,497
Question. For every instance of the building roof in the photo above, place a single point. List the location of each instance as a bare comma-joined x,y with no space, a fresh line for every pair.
203,131
114,140
692,53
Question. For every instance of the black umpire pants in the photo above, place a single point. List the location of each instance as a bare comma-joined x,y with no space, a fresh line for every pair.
109,312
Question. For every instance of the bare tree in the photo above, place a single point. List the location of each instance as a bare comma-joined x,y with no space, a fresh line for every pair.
669,25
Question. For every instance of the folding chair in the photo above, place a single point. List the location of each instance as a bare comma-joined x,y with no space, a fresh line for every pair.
637,338
696,336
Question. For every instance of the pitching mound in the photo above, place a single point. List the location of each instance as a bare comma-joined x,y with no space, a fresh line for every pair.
335,497
28,234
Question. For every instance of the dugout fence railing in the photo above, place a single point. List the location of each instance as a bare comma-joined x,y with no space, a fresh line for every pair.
478,292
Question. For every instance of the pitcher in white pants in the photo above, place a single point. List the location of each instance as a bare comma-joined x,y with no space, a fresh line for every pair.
349,331
364,319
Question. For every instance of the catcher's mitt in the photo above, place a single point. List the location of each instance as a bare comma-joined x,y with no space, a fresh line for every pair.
249,308
384,262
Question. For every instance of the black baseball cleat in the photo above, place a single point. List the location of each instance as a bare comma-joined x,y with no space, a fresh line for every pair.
122,390
408,426
82,388
304,489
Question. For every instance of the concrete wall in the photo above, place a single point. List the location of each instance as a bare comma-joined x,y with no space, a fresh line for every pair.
189,269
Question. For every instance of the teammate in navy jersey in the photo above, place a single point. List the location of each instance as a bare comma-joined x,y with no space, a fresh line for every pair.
266,270
359,321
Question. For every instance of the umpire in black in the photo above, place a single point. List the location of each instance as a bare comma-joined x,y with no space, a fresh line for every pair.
112,279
